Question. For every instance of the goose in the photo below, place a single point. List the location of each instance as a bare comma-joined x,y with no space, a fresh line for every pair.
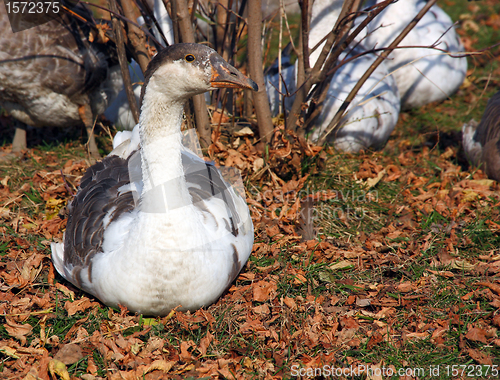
423,75
152,226
373,113
52,75
118,112
481,141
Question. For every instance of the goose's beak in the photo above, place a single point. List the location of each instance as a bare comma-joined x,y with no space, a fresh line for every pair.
225,75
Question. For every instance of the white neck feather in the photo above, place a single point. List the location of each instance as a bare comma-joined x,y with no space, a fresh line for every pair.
161,146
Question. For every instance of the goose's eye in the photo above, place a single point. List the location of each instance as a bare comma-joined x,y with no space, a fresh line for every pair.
189,58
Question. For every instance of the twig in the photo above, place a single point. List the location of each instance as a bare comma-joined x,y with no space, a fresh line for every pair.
121,17
136,37
200,106
262,108
122,58
305,87
66,184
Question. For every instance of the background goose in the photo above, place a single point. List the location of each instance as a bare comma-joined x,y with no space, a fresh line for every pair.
373,113
118,111
482,142
187,238
52,75
423,75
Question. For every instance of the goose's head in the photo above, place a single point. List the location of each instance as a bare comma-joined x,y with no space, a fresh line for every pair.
183,70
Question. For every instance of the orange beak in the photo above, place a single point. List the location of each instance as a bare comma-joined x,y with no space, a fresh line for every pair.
226,76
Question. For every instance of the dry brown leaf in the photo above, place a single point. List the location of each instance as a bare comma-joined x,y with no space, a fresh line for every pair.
261,310
492,286
185,355
17,330
405,287
477,334
160,365
264,290
204,343
290,302
480,357
79,305
69,354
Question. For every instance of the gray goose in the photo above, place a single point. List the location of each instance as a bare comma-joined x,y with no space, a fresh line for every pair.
154,226
482,141
52,75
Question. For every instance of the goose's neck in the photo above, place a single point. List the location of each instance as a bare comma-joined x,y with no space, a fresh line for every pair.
161,145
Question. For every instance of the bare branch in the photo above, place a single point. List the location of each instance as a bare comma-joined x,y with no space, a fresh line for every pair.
255,66
305,34
150,14
121,17
200,106
136,36
325,75
305,87
122,58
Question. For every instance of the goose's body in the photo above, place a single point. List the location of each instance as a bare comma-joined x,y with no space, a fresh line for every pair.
423,75
482,141
373,113
189,233
53,76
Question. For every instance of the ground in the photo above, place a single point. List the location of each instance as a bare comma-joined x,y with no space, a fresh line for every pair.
364,266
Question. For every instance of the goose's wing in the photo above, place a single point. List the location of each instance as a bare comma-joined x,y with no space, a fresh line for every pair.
206,184
473,148
222,208
104,195
487,136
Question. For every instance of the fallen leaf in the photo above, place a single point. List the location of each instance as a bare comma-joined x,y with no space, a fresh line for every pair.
341,265
17,330
160,365
363,302
480,357
290,302
204,343
244,132
372,182
69,354
78,305
58,368
9,351
477,334
263,290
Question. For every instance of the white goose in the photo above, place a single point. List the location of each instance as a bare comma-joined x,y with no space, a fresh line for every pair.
188,236
423,75
373,113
